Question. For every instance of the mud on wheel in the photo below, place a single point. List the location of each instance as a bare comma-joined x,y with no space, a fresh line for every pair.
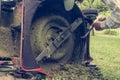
47,29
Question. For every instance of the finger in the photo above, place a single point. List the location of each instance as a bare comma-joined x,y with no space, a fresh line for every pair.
101,19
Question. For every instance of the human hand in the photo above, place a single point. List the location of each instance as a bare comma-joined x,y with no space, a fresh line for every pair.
97,25
101,19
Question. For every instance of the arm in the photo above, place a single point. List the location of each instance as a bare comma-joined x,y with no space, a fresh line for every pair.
113,21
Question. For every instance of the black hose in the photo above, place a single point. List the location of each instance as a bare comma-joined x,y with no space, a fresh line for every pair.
5,59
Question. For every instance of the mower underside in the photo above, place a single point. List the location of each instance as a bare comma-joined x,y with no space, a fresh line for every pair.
44,37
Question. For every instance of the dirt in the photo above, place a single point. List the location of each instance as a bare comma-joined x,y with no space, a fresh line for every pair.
63,72
6,43
5,77
66,72
76,72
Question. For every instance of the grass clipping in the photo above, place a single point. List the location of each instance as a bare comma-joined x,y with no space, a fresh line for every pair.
6,43
76,72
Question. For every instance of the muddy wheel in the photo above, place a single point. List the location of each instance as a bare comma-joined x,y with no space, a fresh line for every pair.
47,29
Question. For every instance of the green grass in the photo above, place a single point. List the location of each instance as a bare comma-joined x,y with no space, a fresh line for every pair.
106,53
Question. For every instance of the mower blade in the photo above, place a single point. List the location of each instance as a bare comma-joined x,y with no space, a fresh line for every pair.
54,45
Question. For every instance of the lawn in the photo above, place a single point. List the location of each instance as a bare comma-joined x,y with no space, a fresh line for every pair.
106,53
